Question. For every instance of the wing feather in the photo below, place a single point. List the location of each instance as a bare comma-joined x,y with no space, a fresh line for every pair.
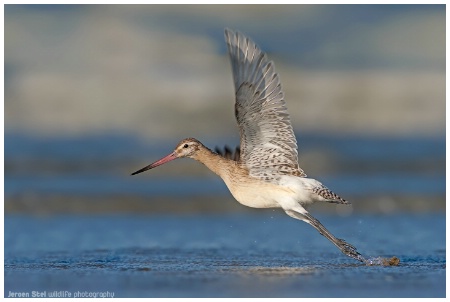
268,144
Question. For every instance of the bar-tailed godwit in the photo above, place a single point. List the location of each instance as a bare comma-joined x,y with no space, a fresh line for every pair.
264,173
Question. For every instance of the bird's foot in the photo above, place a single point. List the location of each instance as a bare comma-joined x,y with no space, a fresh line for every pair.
350,250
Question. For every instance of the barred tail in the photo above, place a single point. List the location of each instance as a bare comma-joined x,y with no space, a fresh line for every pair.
329,195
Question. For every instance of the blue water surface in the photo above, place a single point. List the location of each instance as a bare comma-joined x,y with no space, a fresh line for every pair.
260,253
214,255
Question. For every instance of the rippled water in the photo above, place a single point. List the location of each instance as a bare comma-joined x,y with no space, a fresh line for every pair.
265,255
260,253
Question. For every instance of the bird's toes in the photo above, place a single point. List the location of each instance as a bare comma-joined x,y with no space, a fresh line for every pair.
350,251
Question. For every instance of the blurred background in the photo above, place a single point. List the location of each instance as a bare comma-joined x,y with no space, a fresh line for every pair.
95,92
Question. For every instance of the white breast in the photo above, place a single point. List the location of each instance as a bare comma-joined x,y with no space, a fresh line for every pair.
259,194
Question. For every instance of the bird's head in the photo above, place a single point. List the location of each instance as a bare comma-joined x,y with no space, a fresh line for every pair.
188,147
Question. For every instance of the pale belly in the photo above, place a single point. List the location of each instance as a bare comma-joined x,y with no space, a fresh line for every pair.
260,194
291,192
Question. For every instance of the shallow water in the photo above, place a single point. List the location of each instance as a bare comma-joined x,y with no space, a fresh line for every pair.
260,253
239,255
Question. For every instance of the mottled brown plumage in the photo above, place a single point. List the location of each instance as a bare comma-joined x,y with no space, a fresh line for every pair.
268,143
264,171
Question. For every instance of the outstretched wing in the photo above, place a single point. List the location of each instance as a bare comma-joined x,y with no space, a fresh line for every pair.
268,144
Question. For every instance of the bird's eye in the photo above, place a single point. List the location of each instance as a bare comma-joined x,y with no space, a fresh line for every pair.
185,146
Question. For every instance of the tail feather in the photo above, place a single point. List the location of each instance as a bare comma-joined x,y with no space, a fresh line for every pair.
329,195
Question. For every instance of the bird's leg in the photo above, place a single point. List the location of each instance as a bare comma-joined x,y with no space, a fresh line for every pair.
345,247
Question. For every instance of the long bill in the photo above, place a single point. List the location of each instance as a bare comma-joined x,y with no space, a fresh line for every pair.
163,160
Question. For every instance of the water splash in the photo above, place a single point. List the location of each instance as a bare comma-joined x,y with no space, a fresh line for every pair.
380,261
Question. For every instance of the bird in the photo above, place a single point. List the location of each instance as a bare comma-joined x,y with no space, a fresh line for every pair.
264,171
